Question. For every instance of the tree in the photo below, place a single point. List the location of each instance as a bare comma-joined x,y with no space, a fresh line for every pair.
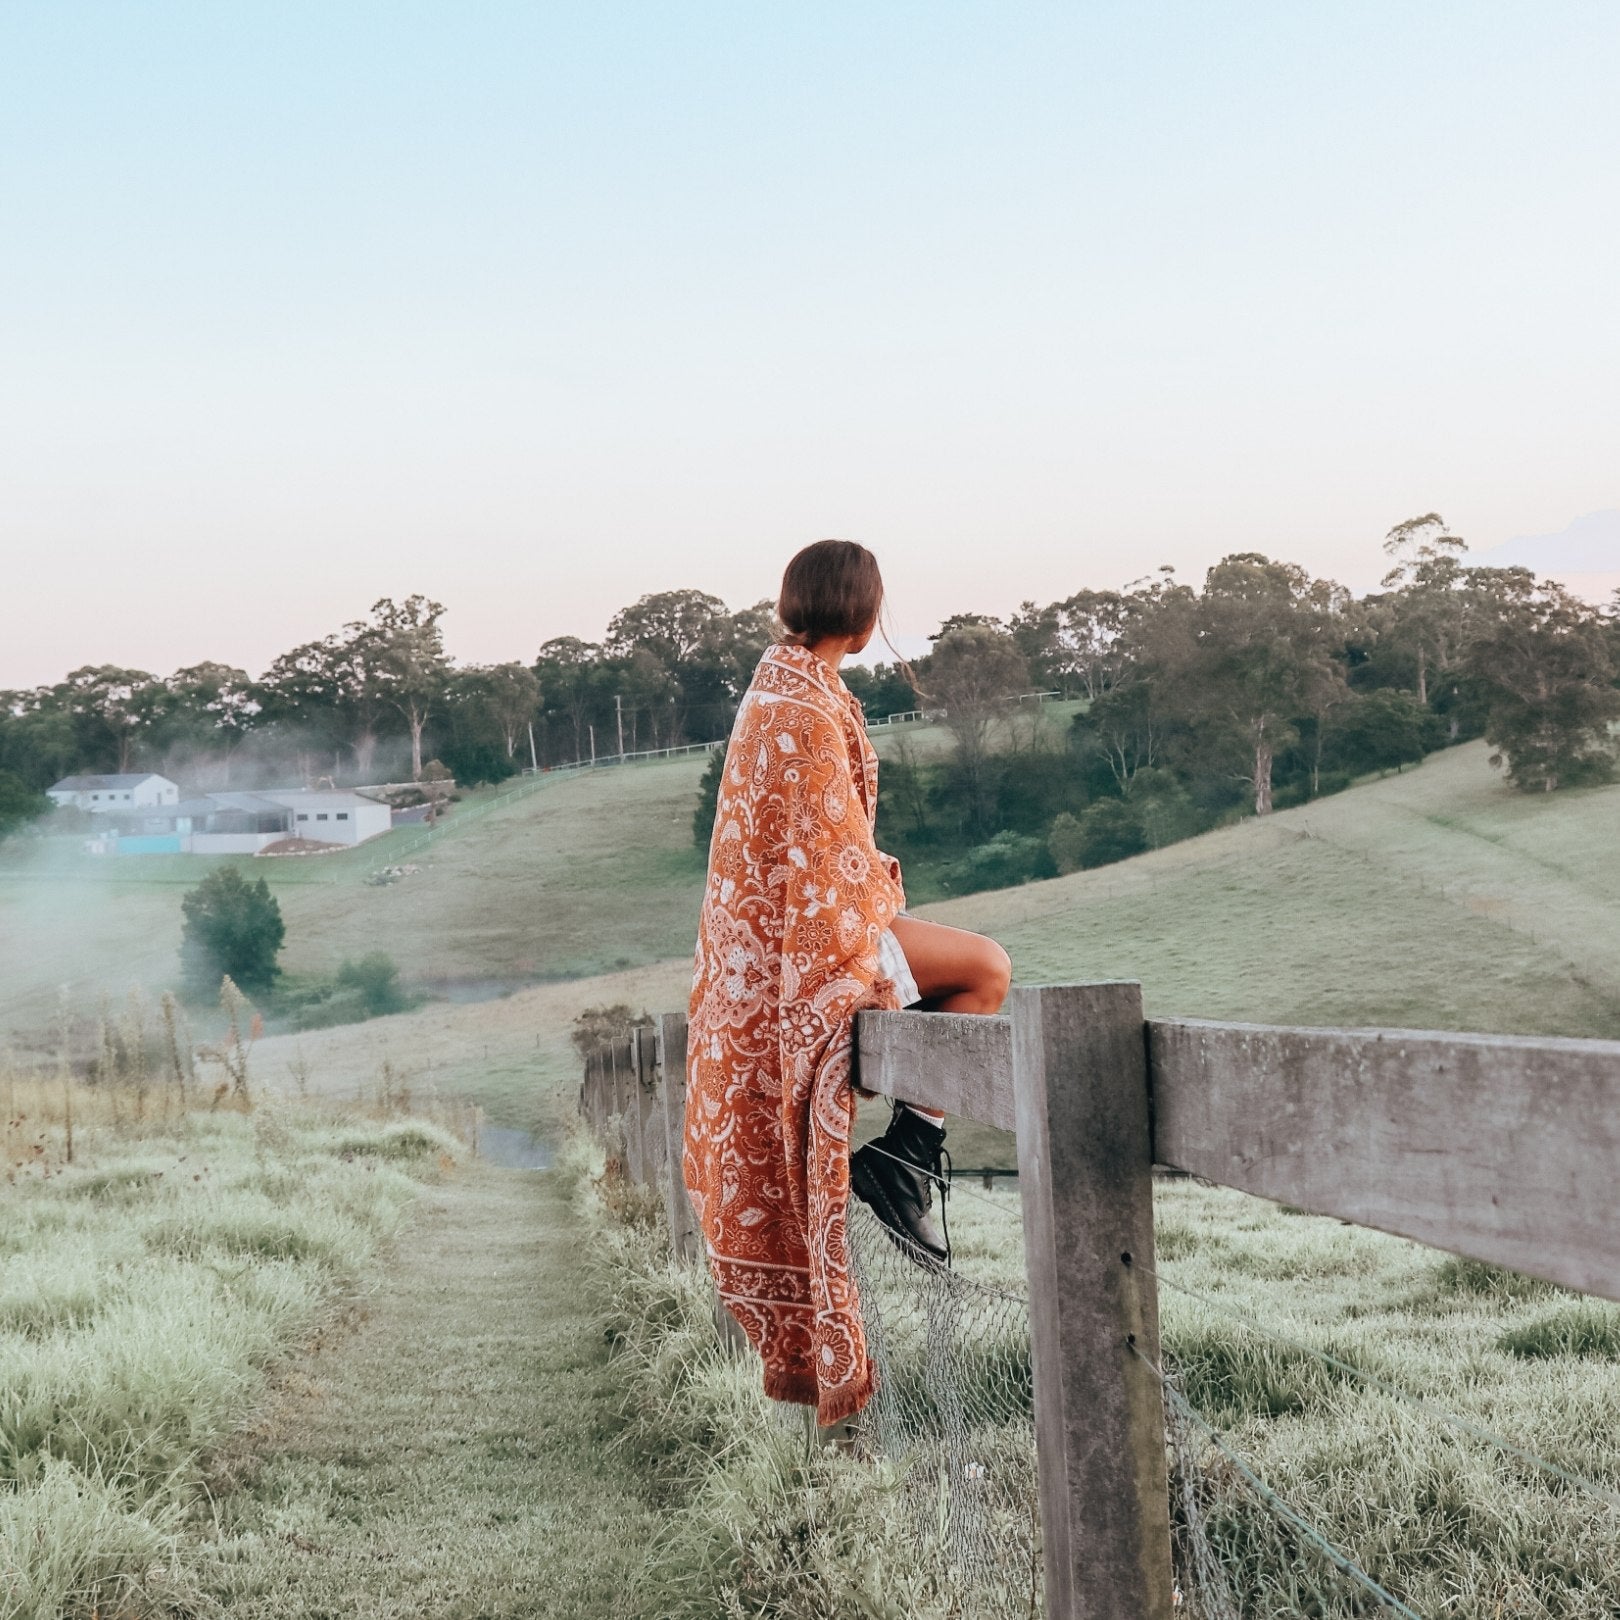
1430,611
1380,731
1109,830
37,742
1093,645
883,689
1266,650
404,650
674,626
512,694
19,803
1545,668
974,671
569,671
202,712
1127,650
327,691
490,708
110,708
708,800
232,928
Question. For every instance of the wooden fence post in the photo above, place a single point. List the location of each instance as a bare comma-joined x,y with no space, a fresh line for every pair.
633,1155
672,1063
1085,1159
649,1113
618,1056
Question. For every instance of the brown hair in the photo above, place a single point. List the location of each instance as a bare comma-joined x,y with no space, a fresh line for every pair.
831,588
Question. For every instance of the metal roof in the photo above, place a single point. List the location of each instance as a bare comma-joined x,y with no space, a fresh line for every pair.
259,804
89,784
319,798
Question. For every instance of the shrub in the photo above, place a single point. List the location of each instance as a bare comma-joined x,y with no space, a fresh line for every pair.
597,1025
1382,731
232,928
1110,830
1164,808
1065,844
1007,859
708,798
375,980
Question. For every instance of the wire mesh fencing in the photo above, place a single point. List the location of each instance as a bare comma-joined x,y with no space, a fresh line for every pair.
953,1415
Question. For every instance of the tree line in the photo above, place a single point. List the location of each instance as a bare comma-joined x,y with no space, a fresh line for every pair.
1260,686
380,696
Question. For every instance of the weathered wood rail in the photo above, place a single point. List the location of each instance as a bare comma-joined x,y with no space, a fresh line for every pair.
1498,1148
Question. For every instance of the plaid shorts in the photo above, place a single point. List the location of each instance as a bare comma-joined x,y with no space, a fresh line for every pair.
892,960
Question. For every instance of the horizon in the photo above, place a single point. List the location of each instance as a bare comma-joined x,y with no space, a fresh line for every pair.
1573,557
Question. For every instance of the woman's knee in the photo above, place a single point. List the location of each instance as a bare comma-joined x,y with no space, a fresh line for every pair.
991,974
997,972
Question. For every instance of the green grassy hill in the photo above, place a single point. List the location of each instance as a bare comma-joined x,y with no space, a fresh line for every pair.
552,877
1436,899
570,875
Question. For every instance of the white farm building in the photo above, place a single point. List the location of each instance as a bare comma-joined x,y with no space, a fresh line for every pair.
101,795
245,823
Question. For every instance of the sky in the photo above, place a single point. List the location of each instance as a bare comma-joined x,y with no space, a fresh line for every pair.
537,308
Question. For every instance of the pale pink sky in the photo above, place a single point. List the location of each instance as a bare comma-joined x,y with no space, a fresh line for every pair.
534,311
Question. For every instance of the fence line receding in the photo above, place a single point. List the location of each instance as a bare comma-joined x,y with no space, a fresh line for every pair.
1500,1149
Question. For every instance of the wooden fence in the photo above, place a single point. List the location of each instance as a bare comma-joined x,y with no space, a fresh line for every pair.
1502,1149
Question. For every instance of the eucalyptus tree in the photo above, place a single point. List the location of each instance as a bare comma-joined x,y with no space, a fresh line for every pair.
1430,604
1545,662
974,671
402,649
323,694
1266,650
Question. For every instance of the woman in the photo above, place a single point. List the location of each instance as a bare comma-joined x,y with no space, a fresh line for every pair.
802,927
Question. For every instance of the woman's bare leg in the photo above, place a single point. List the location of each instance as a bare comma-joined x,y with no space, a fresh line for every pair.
956,971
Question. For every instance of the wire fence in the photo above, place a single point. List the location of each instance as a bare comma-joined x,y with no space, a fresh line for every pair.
954,1413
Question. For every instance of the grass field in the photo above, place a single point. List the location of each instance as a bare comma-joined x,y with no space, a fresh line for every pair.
147,1281
1452,1524
452,1454
1435,899
584,873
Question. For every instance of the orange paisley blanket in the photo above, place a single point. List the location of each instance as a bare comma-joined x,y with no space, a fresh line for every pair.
797,900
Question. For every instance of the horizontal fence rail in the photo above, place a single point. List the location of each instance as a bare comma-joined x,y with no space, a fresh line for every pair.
1498,1148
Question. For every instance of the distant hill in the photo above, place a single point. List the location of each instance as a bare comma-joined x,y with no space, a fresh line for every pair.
1434,899
1585,556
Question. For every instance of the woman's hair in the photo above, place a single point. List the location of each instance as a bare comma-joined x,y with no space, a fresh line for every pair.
831,588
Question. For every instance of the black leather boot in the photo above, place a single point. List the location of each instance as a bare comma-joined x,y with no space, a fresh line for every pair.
896,1175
